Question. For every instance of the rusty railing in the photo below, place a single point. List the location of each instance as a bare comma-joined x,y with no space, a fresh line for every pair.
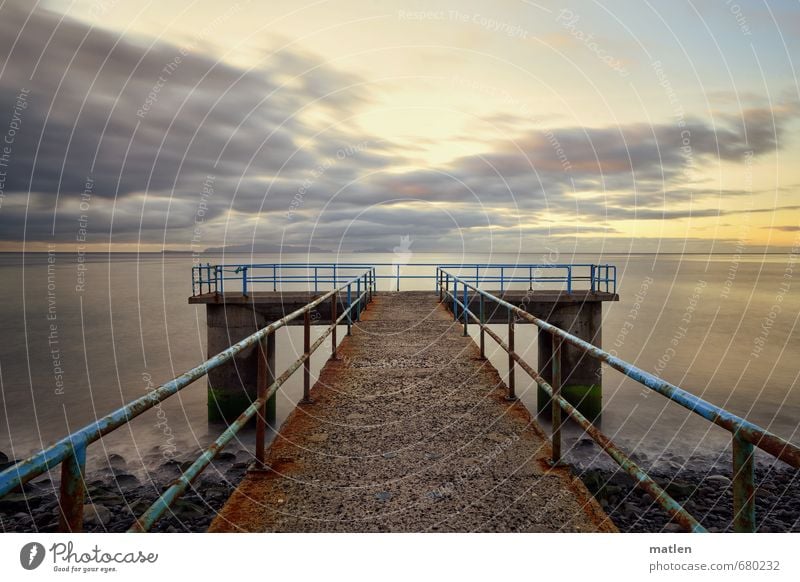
70,451
746,436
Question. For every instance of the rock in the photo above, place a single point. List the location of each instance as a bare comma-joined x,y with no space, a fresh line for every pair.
226,457
107,498
673,528
383,496
116,461
3,458
718,480
389,455
680,489
94,514
126,480
585,443
14,502
186,510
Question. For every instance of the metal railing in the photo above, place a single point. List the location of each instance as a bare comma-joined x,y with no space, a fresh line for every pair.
70,451
246,278
746,436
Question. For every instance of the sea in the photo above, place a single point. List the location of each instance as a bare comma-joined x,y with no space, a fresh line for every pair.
84,334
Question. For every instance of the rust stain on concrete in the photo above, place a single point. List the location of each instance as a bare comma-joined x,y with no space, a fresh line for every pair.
409,432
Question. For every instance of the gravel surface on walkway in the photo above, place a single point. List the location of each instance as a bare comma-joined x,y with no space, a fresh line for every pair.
409,431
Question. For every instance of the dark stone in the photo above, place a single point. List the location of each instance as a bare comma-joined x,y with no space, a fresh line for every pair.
126,480
186,510
116,461
680,489
96,515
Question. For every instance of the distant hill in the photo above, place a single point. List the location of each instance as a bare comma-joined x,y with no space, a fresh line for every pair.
265,249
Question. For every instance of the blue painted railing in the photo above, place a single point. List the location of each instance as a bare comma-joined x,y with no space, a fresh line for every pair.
246,278
70,451
746,436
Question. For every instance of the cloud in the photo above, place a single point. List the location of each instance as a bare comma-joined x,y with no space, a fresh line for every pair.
174,141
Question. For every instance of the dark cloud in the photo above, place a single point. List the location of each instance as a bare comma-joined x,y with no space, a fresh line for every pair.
153,127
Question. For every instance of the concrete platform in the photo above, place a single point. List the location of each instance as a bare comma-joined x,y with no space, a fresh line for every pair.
410,432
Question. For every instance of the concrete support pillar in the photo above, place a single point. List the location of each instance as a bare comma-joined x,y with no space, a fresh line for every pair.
233,386
582,384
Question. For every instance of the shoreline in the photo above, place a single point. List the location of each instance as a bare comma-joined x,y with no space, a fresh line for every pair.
115,496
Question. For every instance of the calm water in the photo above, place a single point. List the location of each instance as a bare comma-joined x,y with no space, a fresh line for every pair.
75,349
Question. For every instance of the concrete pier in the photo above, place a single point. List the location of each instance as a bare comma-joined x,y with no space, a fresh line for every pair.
231,317
579,313
409,430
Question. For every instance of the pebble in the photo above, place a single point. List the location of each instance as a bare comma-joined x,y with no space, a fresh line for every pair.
707,498
94,514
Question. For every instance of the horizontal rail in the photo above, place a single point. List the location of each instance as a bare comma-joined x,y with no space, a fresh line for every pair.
165,501
74,445
743,431
212,278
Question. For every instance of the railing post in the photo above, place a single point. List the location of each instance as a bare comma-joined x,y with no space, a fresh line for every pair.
502,279
555,368
466,310
334,316
316,280
274,278
349,311
455,299
358,299
744,503
512,391
244,281
569,279
446,286
398,277
334,275
483,324
366,290
439,283
73,490
307,353
266,377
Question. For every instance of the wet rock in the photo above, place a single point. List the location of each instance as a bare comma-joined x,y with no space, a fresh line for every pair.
14,502
116,461
96,515
680,489
383,496
718,480
186,510
126,480
673,528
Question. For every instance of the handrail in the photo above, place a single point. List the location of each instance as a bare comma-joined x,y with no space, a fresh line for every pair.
210,278
70,451
746,435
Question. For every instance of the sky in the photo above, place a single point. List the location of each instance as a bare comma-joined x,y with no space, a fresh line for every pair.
508,126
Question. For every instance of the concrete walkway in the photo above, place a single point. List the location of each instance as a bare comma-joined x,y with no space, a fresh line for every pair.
409,432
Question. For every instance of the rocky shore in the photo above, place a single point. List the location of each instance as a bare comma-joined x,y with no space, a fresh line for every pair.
706,494
117,493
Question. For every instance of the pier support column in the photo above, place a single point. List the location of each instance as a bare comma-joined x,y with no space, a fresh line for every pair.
581,380
233,386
